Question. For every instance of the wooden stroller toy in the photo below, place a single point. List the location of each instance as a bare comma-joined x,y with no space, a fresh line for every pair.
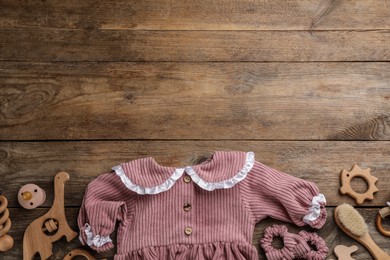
45,230
6,241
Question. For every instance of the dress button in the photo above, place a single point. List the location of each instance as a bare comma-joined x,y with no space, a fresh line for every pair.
187,207
188,231
187,179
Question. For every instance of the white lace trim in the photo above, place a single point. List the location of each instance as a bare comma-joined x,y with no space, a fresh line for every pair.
250,160
97,240
315,208
148,190
209,186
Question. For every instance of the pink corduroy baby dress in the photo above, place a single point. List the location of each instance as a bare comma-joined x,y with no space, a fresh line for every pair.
205,211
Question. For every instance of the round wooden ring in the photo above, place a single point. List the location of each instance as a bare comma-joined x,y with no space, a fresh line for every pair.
79,252
5,228
3,203
379,226
5,216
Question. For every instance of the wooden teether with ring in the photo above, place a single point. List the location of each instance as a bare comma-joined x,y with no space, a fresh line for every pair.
347,176
382,214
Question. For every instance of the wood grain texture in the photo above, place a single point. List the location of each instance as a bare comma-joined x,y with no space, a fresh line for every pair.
285,101
125,45
320,162
196,15
330,232
303,84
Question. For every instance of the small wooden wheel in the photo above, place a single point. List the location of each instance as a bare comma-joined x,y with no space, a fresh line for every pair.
382,214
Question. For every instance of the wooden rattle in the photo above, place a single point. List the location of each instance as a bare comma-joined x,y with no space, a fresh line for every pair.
382,214
6,241
47,229
346,188
344,252
79,252
31,196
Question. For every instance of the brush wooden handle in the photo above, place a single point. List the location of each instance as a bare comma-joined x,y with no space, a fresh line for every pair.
374,249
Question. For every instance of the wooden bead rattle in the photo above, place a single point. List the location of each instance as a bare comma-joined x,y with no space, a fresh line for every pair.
31,196
346,188
79,252
6,241
51,225
382,214
344,252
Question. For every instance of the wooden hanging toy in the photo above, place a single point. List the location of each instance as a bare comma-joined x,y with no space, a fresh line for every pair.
344,252
79,252
347,176
6,241
47,229
382,214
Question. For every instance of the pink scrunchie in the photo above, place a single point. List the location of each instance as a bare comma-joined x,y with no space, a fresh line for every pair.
295,245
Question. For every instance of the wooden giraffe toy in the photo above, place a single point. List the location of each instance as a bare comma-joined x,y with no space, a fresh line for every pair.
47,229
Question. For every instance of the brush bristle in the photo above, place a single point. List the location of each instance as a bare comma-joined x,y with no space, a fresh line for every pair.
352,220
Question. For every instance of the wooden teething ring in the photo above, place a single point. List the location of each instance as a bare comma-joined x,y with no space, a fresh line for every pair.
6,241
346,188
5,222
382,214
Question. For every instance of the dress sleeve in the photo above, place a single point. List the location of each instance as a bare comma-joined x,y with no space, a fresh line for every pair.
101,208
271,193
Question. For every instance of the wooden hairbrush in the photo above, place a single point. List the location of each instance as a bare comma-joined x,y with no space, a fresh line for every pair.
352,223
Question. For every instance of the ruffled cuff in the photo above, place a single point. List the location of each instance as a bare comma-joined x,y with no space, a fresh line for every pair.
96,242
317,212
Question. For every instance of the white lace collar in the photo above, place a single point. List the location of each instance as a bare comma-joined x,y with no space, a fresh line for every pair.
197,172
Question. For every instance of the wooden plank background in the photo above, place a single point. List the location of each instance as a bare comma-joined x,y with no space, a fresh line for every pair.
85,85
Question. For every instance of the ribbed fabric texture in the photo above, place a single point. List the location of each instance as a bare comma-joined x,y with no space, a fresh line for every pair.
219,223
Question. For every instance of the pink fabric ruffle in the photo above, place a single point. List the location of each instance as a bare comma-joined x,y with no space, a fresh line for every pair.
320,221
212,251
103,248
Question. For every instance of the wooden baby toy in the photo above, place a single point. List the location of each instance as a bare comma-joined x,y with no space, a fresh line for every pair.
382,214
79,252
344,252
45,230
347,176
31,196
6,241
